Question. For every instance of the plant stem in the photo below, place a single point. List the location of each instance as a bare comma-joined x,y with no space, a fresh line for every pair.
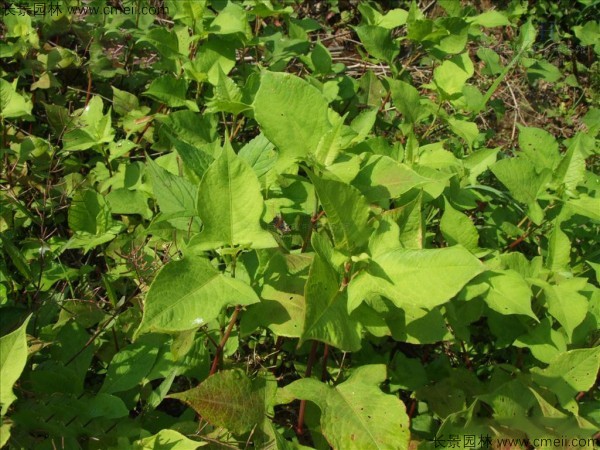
309,366
324,363
219,352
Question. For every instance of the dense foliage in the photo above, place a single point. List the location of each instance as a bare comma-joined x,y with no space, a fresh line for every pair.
334,224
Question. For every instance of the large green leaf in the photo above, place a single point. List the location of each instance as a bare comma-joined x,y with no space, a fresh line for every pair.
451,75
91,219
171,91
565,302
176,197
292,114
508,293
523,181
457,228
232,400
13,104
521,178
571,170
227,97
327,319
381,178
378,41
231,20
188,293
281,308
132,364
540,147
423,278
92,127
406,98
13,356
356,415
347,212
559,244
167,440
231,206
586,206
570,373
543,341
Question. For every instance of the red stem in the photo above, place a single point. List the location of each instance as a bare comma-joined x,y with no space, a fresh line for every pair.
219,352
324,364
309,366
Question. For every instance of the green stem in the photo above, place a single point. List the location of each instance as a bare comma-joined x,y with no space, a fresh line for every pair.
500,78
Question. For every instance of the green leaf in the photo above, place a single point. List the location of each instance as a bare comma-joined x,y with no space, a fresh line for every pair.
231,20
327,318
105,406
90,217
559,245
4,433
191,128
167,440
125,201
132,364
330,145
378,41
13,356
508,293
569,373
189,293
406,99
456,38
523,181
571,170
16,257
347,212
214,56
381,178
176,197
407,373
282,307
292,114
231,206
227,97
566,304
171,91
544,342
417,326
478,162
321,59
405,276
260,154
231,400
124,102
356,415
586,206
393,18
465,129
451,75
197,158
540,147
457,228
372,89
13,104
589,33
491,60
164,40
541,70
93,128
490,19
